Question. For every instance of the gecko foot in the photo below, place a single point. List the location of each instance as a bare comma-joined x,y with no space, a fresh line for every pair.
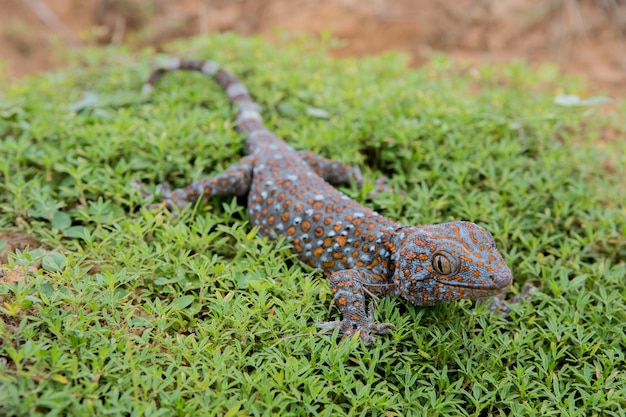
365,326
502,306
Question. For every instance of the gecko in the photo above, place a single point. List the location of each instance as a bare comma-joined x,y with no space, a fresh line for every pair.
363,254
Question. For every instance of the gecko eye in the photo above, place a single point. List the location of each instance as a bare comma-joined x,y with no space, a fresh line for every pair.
443,263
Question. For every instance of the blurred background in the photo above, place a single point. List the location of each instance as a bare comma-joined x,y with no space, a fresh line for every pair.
580,36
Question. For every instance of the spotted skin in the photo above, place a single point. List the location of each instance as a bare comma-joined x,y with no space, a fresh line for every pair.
289,193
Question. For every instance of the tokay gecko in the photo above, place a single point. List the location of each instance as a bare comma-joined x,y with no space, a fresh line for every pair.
289,193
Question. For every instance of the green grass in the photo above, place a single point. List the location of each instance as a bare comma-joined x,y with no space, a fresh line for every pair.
134,312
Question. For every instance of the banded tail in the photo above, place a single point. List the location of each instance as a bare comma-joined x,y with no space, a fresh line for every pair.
248,116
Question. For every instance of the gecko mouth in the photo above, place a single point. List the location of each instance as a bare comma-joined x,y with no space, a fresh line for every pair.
494,282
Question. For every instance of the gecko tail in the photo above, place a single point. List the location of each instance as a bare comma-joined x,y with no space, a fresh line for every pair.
248,113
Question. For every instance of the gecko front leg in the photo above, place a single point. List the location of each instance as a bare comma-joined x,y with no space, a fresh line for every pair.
348,286
336,172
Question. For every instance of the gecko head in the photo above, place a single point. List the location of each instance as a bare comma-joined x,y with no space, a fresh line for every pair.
449,261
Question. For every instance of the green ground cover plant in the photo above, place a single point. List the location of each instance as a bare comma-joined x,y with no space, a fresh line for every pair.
130,311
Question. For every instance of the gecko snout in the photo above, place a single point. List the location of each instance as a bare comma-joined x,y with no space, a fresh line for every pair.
502,280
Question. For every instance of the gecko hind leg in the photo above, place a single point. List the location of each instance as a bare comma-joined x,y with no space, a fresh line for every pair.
235,181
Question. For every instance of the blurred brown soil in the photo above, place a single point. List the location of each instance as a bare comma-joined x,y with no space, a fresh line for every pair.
581,36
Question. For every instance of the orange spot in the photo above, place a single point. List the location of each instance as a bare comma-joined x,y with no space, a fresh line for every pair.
319,231
341,240
373,263
305,226
270,220
291,230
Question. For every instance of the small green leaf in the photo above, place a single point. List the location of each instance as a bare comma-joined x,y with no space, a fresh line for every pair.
574,100
76,232
161,281
181,302
90,100
317,112
37,254
61,220
287,109
53,262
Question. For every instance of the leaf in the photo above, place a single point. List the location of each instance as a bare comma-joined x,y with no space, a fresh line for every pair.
161,281
37,254
317,112
60,378
76,232
61,220
287,109
90,100
181,302
10,109
573,100
53,262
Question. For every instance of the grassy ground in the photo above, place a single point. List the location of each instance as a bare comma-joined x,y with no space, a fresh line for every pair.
132,312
